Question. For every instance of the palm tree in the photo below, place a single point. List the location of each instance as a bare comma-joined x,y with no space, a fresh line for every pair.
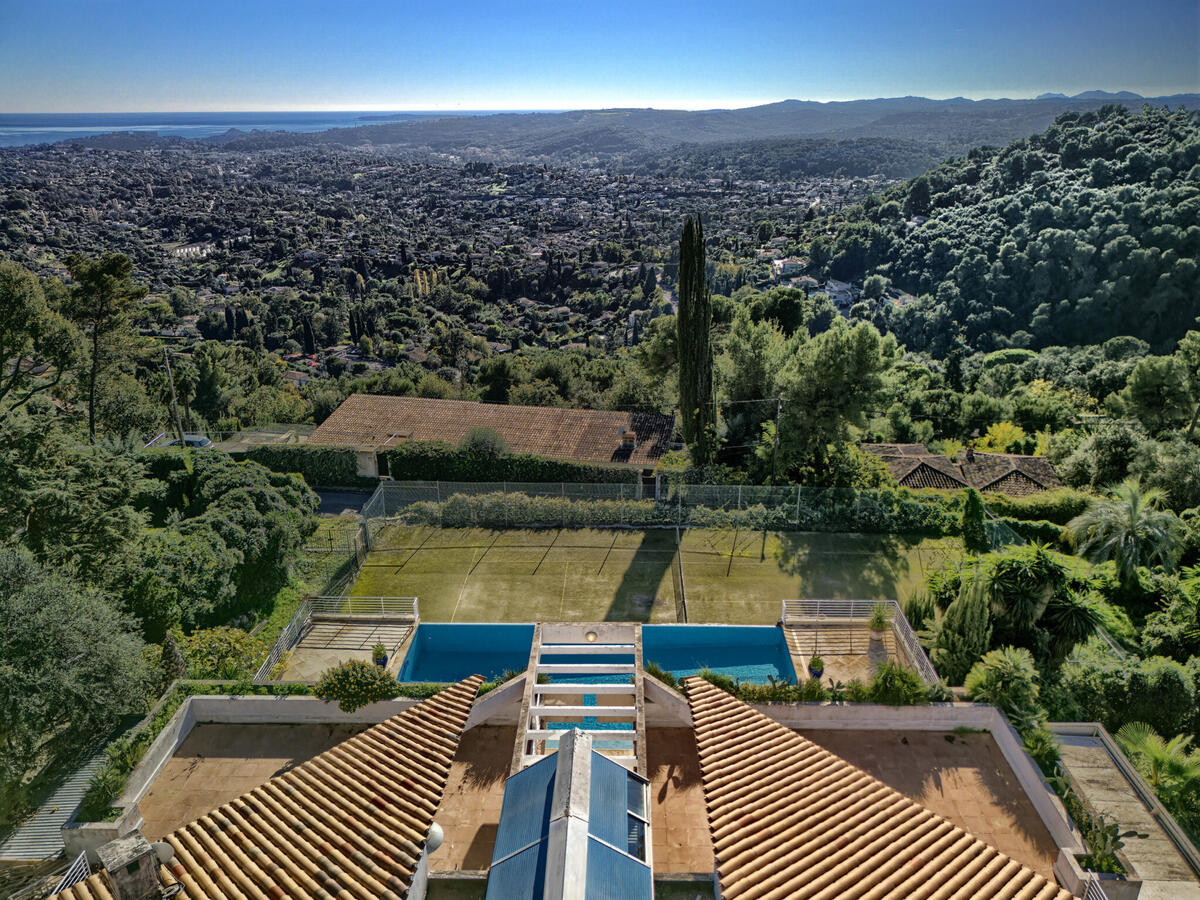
1171,767
1129,528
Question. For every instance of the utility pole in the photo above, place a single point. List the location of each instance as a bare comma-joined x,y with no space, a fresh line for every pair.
174,406
775,444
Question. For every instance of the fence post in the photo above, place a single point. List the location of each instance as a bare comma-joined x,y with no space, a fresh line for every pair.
797,506
739,498
438,486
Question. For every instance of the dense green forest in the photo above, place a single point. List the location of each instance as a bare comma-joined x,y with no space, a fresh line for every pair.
1086,231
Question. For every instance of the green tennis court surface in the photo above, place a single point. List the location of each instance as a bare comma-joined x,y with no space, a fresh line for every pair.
481,575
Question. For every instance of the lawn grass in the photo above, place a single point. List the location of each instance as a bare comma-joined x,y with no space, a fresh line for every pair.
526,575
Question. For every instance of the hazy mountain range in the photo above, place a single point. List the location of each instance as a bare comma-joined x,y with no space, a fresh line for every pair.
946,127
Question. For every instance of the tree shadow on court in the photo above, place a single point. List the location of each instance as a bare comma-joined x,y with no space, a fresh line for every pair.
840,570
633,599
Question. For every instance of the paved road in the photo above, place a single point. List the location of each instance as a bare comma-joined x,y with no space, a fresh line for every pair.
334,503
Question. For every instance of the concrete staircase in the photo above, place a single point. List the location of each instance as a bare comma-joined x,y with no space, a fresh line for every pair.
40,836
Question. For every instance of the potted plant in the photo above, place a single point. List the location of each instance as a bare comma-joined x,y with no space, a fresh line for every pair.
379,655
881,618
816,666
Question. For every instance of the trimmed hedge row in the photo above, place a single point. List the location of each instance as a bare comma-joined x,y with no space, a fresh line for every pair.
317,465
874,511
433,461
1059,506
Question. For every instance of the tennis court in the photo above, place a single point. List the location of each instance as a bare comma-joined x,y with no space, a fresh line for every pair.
526,575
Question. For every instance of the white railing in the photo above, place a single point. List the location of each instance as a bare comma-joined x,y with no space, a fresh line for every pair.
1093,888
78,871
365,606
286,640
399,607
795,611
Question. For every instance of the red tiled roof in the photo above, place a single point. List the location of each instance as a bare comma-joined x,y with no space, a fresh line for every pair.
913,466
791,820
577,435
350,822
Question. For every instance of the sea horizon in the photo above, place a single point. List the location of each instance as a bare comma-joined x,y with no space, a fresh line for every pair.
29,129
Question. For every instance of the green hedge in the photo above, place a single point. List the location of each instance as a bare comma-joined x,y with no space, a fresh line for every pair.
432,461
1037,530
874,511
1059,506
319,466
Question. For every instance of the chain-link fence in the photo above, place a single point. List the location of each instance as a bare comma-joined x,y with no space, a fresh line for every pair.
657,505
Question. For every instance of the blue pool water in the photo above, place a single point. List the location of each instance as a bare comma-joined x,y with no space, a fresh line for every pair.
454,652
752,653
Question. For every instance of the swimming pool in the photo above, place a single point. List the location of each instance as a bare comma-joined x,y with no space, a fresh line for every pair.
753,653
444,653
449,652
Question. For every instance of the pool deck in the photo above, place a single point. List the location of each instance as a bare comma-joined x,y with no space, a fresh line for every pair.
848,651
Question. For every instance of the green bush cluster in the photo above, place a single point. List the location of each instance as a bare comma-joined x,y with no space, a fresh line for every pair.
239,531
892,684
1113,690
1042,531
319,466
433,461
355,683
1059,506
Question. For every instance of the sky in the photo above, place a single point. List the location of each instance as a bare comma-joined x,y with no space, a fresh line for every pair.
180,55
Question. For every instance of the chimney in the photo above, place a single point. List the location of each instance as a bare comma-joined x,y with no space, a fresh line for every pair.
628,438
131,867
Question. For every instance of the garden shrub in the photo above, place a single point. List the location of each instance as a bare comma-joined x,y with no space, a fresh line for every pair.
221,652
1113,690
1059,506
974,535
1007,679
1040,530
896,685
877,512
355,683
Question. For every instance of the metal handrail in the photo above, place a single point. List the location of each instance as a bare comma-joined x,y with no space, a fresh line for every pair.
286,640
365,606
862,609
78,871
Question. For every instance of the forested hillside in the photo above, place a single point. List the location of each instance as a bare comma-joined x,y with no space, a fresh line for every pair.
1084,232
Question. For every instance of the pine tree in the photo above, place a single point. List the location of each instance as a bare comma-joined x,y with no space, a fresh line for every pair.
694,323
974,534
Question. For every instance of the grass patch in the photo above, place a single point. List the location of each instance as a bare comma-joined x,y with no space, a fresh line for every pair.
736,577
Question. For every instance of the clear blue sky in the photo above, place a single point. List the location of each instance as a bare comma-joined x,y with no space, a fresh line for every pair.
134,55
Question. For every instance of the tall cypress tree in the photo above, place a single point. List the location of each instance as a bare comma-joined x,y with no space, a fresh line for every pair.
694,322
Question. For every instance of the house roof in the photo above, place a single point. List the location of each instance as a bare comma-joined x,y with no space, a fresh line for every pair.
792,820
577,435
350,822
913,466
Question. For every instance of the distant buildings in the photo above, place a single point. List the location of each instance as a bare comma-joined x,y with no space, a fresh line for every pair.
914,466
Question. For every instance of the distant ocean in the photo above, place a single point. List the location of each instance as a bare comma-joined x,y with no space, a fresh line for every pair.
21,129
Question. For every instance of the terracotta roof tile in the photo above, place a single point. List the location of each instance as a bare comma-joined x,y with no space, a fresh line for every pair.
578,435
350,822
913,466
792,820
